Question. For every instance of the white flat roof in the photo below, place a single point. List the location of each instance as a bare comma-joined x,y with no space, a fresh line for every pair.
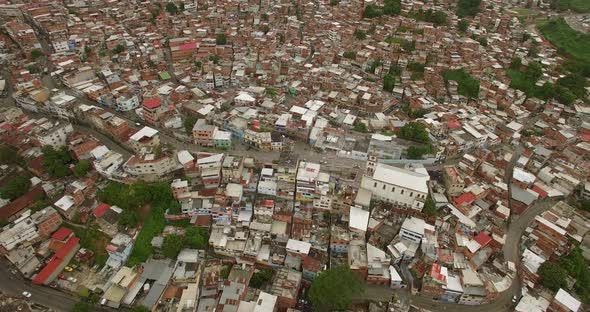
401,177
567,300
358,218
144,132
298,246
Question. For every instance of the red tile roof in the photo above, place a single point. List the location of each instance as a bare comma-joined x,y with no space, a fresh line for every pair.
56,261
62,233
435,273
465,198
67,247
21,203
483,239
101,209
542,193
151,103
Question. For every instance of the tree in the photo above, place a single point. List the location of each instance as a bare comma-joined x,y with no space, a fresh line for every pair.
333,289
416,152
429,206
552,276
171,246
36,53
392,7
360,126
15,188
414,131
463,25
334,2
220,39
516,63
181,6
189,123
82,168
118,49
214,58
171,8
9,156
483,41
195,237
468,8
372,11
360,34
261,278
56,162
350,55
33,69
388,82
468,86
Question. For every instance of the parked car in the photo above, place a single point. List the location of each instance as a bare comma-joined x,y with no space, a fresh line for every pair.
61,277
72,279
27,294
68,269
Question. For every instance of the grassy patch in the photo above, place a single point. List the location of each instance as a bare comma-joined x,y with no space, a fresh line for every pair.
572,42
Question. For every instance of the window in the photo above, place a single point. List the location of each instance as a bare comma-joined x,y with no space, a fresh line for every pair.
402,192
392,189
411,194
384,186
375,184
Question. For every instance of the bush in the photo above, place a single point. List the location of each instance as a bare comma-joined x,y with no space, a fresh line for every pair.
416,152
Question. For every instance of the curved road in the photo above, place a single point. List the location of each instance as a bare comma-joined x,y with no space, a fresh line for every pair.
504,300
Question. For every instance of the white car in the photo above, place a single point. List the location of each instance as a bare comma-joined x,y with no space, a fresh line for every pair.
72,279
27,294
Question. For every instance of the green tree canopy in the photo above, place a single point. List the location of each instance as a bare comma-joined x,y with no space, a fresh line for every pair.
360,34
82,168
15,187
189,123
429,206
171,246
389,82
468,7
552,275
9,156
334,289
220,39
468,86
261,278
414,131
171,8
195,237
57,162
36,53
118,49
463,25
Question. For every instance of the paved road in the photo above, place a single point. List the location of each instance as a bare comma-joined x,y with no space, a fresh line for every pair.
503,302
15,285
